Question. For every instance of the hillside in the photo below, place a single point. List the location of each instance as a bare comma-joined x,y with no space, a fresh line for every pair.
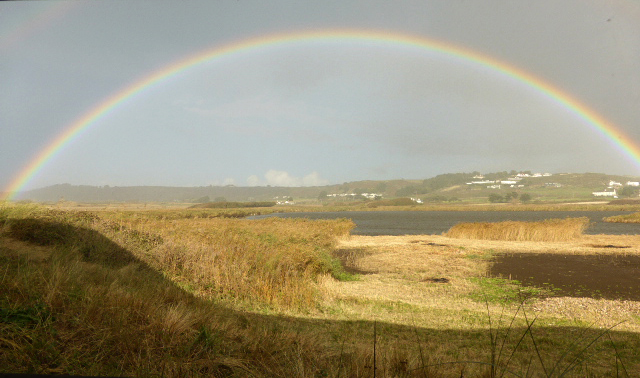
451,187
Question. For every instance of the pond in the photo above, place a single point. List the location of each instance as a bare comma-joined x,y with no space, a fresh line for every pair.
436,222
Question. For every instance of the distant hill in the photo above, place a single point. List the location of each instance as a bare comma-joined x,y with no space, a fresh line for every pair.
445,187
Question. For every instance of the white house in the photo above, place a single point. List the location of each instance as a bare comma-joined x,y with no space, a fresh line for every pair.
633,183
614,184
606,193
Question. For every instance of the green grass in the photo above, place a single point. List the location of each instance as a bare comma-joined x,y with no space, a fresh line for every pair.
503,291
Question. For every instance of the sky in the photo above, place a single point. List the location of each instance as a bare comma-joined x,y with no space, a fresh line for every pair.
314,112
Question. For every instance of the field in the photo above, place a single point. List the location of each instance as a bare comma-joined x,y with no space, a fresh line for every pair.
178,292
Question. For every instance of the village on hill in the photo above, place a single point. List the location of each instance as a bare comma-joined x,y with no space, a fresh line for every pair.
474,187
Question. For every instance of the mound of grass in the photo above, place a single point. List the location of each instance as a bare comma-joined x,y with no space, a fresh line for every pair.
550,230
274,262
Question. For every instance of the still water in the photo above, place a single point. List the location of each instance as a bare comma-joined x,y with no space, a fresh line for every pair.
437,222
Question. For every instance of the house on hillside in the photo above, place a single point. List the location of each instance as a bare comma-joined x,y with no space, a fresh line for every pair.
614,184
609,192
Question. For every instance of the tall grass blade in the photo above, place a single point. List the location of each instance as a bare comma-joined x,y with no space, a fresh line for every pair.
578,357
618,357
535,345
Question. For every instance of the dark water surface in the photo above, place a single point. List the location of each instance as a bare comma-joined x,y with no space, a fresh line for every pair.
593,276
436,222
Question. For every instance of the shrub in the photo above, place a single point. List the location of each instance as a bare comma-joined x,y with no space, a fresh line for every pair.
495,198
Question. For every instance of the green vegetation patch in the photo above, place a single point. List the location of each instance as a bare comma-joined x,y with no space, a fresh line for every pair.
25,316
500,290
484,255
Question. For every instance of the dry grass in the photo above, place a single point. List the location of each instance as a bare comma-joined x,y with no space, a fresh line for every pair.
77,301
627,218
393,289
156,293
272,262
396,268
550,230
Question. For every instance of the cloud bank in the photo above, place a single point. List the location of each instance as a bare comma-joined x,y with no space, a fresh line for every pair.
282,178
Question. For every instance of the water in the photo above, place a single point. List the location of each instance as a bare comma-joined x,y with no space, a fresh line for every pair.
436,222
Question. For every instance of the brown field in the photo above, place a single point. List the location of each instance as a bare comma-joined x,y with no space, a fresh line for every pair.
176,292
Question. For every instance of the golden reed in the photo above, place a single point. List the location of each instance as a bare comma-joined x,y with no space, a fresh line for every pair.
550,230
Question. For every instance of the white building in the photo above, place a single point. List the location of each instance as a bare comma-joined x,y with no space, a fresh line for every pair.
606,193
614,184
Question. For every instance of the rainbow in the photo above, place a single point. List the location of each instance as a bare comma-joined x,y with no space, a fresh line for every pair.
609,131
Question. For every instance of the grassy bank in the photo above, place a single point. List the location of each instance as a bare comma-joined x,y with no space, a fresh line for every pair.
167,293
550,230
117,294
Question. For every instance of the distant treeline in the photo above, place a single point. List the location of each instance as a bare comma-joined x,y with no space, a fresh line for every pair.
231,205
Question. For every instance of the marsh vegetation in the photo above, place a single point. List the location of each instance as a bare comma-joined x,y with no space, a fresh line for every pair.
199,293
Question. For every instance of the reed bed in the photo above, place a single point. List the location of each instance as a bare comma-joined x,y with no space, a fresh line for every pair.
627,218
253,263
550,230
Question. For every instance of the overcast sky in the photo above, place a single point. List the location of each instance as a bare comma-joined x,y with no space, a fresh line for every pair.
309,113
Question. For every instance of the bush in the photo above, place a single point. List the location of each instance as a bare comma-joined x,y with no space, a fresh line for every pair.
495,198
525,197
